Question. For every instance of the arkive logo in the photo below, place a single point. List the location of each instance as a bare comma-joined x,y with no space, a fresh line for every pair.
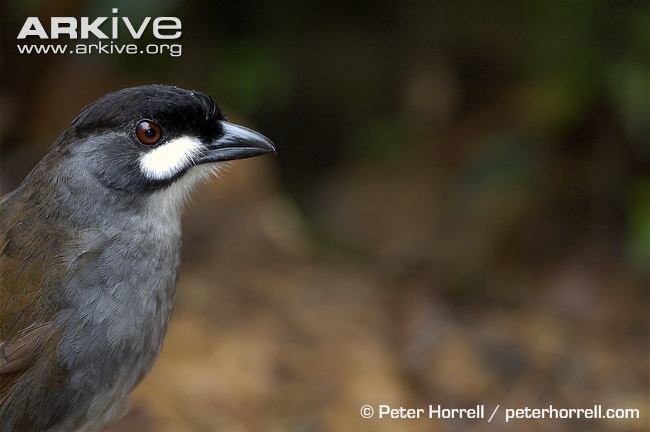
102,29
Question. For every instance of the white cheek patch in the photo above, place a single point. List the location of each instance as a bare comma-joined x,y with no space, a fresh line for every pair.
169,159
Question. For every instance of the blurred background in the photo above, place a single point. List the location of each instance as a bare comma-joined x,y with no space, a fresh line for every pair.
459,212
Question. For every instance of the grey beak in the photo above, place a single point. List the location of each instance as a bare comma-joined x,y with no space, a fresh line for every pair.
237,142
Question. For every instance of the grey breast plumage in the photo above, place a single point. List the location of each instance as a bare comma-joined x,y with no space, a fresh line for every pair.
84,310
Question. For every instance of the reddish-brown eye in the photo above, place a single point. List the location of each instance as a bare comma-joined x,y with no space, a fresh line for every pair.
148,132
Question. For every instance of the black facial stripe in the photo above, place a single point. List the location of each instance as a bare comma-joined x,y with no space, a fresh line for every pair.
170,107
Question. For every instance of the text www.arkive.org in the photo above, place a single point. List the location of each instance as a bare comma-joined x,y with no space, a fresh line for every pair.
173,50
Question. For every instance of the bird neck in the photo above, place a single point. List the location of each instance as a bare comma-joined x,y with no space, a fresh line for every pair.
79,200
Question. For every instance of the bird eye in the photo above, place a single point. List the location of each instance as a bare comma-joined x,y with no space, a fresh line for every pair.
148,132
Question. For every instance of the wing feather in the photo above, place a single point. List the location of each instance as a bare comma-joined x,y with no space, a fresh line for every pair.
19,352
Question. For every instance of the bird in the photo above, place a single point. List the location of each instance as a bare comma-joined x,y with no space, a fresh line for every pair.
90,252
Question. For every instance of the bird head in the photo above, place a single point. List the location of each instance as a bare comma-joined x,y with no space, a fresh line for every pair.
143,140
